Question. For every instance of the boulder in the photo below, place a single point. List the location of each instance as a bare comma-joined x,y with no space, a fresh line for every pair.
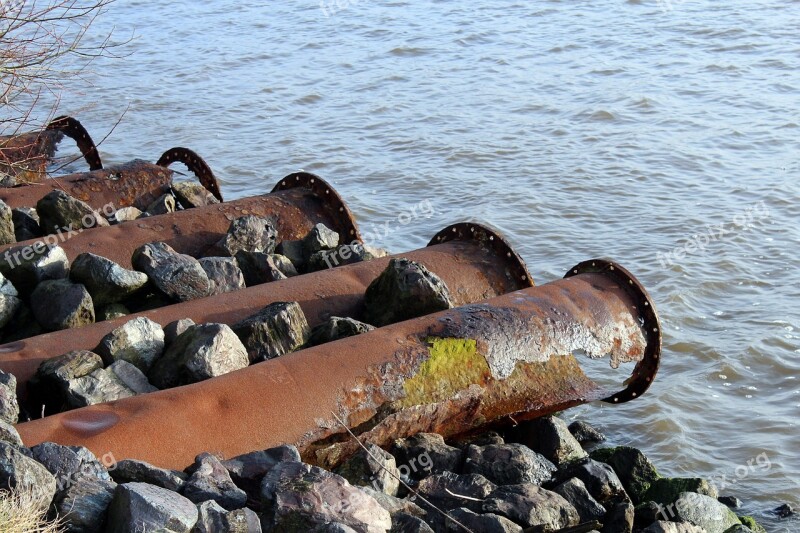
251,234
140,506
9,405
486,523
69,464
574,491
599,478
294,251
336,328
48,387
7,235
278,329
450,491
619,518
248,470
84,505
9,434
201,352
550,437
118,381
162,205
21,326
9,307
424,454
224,274
319,238
372,467
508,464
130,470
672,527
30,265
666,490
139,341
19,471
211,481
633,468
59,211
394,504
110,312
260,267
125,214
585,433
105,280
405,290
531,506
406,523
179,276
190,194
174,329
60,304
731,501
705,512
26,224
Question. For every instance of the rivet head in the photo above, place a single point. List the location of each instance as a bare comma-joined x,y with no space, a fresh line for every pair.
634,394
454,230
352,232
283,183
611,267
341,209
491,237
575,271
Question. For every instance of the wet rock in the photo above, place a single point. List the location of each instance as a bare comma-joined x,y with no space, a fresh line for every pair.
7,235
179,276
738,528
486,523
26,224
139,341
30,265
585,433
60,304
705,512
300,496
599,478
203,351
731,501
529,506
451,491
105,280
336,328
129,470
619,518
574,491
174,329
19,471
140,506
250,234
9,406
84,505
483,439
672,527
372,467
784,511
633,468
224,274
162,205
211,481
748,524
260,267
405,290
319,238
394,504
118,381
406,523
550,437
249,469
125,214
294,251
110,312
424,454
9,434
278,329
666,490
60,211
646,513
190,194
508,464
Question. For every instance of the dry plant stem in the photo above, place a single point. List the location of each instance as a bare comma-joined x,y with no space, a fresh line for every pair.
21,512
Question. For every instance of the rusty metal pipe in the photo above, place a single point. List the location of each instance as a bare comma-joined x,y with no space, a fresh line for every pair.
297,203
475,262
454,372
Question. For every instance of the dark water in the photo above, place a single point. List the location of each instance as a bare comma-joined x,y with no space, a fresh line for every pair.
580,129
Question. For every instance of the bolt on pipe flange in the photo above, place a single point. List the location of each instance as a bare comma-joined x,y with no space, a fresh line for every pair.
196,165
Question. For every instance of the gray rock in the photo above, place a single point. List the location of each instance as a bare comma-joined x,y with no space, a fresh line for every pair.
26,224
105,280
249,469
451,491
672,527
60,211
7,181
483,439
174,329
9,434
203,351
531,506
585,433
705,512
633,468
179,276
7,235
406,523
599,478
574,491
424,454
619,518
21,326
118,381
550,437
347,254
162,205
224,274
260,267
138,506
6,287
241,521
666,490
405,290
28,266
19,471
486,523
738,528
110,312
210,517
9,405
84,505
278,329
129,470
251,234
294,251
9,307
336,328
319,238
731,502
125,214
190,194
300,496
60,304
48,387
394,504
784,511
69,464
211,481
139,341
508,464
372,467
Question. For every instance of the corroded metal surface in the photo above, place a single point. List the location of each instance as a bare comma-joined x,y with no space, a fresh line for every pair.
510,358
471,270
196,165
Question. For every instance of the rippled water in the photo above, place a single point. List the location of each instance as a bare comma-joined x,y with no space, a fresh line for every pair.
581,129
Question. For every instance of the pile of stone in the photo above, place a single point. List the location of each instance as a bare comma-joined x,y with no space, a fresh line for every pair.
543,481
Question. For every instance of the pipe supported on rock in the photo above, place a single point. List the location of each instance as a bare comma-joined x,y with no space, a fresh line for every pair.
297,203
474,262
454,372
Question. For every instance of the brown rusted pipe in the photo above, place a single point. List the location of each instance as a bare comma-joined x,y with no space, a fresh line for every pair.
513,357
297,203
475,262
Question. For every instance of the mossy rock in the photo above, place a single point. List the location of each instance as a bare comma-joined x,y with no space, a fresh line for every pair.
632,467
666,490
750,522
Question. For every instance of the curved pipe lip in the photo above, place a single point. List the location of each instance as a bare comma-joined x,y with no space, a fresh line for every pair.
196,164
491,237
73,129
645,371
330,198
